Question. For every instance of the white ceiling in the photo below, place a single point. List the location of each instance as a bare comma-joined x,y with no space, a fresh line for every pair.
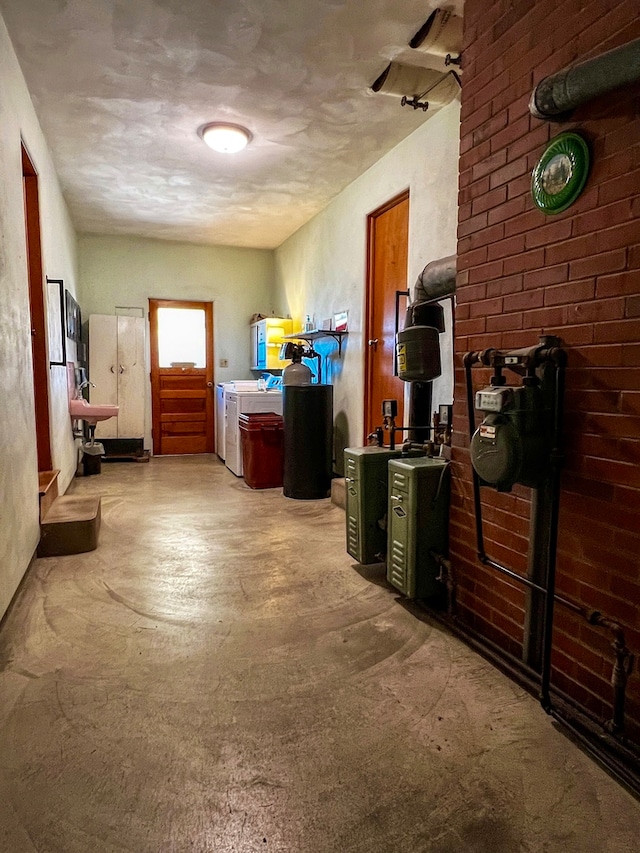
122,86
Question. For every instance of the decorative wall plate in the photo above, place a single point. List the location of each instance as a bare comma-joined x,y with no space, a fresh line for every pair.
561,173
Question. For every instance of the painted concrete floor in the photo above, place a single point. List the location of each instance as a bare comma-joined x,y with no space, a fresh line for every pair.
218,676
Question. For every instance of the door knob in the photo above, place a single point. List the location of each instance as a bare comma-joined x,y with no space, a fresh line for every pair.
209,384
373,342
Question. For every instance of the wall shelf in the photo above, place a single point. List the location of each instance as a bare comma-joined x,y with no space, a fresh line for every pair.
316,334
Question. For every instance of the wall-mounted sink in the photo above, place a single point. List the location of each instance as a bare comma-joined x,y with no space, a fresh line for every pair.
92,412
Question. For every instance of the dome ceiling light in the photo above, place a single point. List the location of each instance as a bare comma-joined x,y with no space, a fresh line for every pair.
224,137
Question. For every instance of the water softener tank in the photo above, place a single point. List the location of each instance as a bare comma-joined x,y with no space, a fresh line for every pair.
418,354
308,441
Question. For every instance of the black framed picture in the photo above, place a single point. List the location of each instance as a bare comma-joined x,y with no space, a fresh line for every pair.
74,319
55,321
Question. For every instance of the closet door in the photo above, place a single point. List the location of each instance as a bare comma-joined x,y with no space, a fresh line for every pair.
103,368
131,387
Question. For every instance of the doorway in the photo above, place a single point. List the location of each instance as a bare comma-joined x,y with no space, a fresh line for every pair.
387,258
181,376
40,361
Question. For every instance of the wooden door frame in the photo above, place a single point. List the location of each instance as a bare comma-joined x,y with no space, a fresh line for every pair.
368,360
37,309
207,307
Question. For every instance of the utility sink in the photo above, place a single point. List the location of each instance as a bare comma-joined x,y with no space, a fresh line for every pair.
92,412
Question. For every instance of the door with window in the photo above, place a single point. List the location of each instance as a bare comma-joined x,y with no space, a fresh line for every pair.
182,376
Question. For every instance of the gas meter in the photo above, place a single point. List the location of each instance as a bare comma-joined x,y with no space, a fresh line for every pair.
512,443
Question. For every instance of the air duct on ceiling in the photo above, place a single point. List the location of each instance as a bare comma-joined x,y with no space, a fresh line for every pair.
440,35
558,94
412,81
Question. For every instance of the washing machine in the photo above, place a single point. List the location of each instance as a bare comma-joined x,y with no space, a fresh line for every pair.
221,390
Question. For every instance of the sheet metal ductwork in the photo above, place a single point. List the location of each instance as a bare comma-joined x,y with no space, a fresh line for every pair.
437,279
557,95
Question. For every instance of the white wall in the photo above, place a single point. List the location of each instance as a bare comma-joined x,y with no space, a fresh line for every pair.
321,269
19,521
124,272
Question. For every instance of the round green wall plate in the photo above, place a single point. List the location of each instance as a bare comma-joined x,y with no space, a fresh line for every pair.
561,173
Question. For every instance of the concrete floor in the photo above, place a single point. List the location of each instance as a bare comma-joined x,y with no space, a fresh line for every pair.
218,676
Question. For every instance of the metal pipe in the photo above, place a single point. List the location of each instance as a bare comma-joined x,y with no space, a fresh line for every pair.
469,360
556,458
622,669
437,280
558,94
446,577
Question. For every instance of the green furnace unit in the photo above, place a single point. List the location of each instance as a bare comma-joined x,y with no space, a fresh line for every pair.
418,522
366,479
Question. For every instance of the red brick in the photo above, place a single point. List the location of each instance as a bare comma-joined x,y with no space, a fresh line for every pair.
620,284
475,190
546,319
526,221
473,326
574,292
574,336
622,331
605,356
506,248
508,172
602,217
510,134
524,301
469,259
489,200
623,235
546,276
504,285
569,250
486,272
486,307
504,322
489,129
475,223
598,264
505,212
620,187
488,166
596,311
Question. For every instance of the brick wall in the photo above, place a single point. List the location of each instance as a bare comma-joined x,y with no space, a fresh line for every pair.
575,275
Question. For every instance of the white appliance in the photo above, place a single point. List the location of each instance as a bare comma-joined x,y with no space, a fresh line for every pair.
221,390
236,404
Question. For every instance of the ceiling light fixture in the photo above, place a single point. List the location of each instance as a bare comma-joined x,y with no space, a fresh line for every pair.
225,138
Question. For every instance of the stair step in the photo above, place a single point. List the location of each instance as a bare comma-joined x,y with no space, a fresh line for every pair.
71,526
48,490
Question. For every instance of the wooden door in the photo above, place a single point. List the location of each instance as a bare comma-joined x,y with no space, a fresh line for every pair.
388,244
40,359
181,387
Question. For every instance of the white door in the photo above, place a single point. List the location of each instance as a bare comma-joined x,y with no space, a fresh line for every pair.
131,377
103,367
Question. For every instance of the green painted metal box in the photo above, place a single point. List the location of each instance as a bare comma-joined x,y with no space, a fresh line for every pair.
418,521
366,480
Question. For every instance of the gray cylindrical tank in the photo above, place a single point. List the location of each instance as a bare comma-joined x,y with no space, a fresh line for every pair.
418,351
308,441
296,374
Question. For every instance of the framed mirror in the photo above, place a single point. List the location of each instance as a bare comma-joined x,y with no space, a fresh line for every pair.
55,321
74,319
